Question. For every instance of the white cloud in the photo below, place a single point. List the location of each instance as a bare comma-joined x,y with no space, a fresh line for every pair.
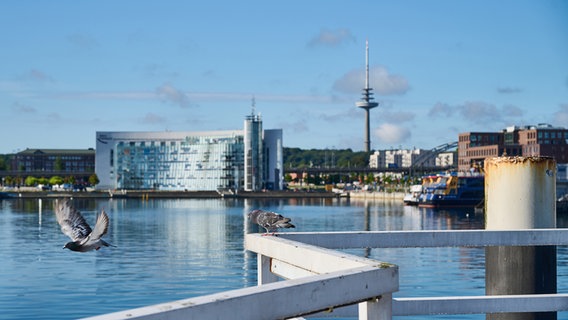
299,126
510,110
54,117
561,116
441,109
172,95
398,116
350,113
509,90
379,79
152,118
83,41
331,38
392,133
479,112
22,108
37,76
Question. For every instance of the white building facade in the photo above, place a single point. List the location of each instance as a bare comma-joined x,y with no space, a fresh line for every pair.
191,161
446,159
401,158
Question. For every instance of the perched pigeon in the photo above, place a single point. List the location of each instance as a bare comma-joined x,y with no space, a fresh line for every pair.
75,227
269,220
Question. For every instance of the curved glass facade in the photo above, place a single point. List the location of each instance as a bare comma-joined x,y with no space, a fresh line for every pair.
195,163
191,161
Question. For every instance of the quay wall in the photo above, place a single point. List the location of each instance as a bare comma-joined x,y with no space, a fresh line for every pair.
142,194
378,196
149,194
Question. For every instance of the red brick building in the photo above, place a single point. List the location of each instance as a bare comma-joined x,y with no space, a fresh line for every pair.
540,140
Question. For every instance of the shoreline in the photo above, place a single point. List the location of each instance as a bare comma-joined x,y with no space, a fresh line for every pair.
149,194
137,194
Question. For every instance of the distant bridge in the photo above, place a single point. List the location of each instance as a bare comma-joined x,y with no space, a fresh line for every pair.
433,153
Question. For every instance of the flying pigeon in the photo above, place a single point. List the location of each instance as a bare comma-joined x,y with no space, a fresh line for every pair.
75,227
269,220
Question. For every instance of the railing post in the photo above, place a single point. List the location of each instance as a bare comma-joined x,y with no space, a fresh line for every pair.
376,309
264,275
520,193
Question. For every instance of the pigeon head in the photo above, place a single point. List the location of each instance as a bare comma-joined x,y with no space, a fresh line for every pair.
73,246
253,214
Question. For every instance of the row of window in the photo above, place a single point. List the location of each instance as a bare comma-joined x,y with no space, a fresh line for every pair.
478,139
553,134
53,158
188,141
482,153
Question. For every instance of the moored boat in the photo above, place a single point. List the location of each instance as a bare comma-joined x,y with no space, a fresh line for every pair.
453,190
413,195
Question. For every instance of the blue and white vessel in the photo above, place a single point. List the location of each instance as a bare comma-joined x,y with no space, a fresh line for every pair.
452,190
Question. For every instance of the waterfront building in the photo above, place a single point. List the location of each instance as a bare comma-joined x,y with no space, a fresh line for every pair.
249,159
400,158
377,159
79,163
446,159
539,140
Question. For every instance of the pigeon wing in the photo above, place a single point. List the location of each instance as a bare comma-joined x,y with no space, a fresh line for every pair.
71,221
101,226
269,219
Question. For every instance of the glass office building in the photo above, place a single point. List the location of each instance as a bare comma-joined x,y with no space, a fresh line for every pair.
192,161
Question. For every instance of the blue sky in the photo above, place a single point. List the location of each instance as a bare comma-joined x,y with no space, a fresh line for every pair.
438,68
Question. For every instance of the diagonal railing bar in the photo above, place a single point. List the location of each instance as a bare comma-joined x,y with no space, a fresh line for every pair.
335,280
321,278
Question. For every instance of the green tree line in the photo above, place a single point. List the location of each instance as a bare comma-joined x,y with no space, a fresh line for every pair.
323,158
4,162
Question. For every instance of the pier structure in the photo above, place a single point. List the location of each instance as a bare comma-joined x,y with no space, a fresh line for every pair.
367,102
322,281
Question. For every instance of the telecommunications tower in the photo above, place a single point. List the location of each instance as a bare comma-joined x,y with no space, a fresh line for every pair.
367,102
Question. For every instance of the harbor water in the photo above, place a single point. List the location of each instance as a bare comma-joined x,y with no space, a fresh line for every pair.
174,249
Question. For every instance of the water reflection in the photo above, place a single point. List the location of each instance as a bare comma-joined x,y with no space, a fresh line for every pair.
174,249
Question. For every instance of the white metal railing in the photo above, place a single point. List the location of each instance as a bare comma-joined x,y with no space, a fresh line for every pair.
323,279
449,238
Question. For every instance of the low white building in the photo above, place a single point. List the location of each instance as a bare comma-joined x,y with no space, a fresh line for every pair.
446,159
401,158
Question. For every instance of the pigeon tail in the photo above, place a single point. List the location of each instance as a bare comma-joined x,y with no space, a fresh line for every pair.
106,244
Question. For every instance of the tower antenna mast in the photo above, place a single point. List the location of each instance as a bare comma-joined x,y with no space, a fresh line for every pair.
366,64
367,102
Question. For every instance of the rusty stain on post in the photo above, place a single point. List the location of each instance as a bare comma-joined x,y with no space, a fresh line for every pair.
520,193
